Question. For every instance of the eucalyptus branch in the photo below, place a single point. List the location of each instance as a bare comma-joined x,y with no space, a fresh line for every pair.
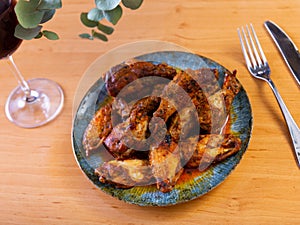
110,10
32,14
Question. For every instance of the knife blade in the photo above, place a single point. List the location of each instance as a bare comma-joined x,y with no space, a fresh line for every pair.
287,48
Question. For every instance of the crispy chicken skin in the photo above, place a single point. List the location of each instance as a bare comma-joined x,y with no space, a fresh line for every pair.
174,126
98,129
212,102
210,149
199,85
125,174
165,162
133,132
114,141
117,78
231,88
101,130
140,115
183,125
102,123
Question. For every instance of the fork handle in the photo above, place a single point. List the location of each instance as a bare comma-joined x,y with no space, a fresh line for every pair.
292,126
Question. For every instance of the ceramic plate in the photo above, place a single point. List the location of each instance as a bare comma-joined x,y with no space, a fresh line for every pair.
192,185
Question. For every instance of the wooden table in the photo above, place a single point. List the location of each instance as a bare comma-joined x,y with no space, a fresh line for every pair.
41,182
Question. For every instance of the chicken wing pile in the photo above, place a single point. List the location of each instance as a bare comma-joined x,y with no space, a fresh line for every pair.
179,124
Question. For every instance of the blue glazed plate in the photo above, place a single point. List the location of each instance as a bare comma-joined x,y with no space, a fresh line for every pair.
193,184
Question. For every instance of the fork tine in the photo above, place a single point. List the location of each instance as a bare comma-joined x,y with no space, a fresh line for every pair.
251,48
258,59
264,59
247,50
246,56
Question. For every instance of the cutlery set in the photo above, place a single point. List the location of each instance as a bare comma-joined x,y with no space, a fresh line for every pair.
258,67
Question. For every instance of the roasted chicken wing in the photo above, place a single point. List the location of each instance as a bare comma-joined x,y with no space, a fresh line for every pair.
118,77
132,134
210,149
165,162
126,174
98,129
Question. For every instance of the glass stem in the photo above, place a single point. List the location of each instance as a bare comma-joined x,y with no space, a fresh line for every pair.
22,82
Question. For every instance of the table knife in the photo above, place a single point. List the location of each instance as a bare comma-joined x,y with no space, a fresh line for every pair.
287,48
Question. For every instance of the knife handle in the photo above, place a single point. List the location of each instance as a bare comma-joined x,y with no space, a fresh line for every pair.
292,126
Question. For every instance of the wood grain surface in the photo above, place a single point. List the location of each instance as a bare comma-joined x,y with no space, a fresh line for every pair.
40,181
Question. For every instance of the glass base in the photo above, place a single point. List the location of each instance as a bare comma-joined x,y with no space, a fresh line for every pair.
45,103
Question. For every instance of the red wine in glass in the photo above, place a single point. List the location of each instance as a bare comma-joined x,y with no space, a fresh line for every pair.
34,102
8,21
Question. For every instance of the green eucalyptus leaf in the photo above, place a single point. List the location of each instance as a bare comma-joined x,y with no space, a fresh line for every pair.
105,29
48,15
49,4
99,36
95,15
27,33
40,34
89,23
107,4
31,20
27,13
114,15
132,4
86,36
50,35
26,6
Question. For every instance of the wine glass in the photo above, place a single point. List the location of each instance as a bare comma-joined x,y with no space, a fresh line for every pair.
34,102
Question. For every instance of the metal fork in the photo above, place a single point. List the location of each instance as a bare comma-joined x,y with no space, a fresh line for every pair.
259,68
